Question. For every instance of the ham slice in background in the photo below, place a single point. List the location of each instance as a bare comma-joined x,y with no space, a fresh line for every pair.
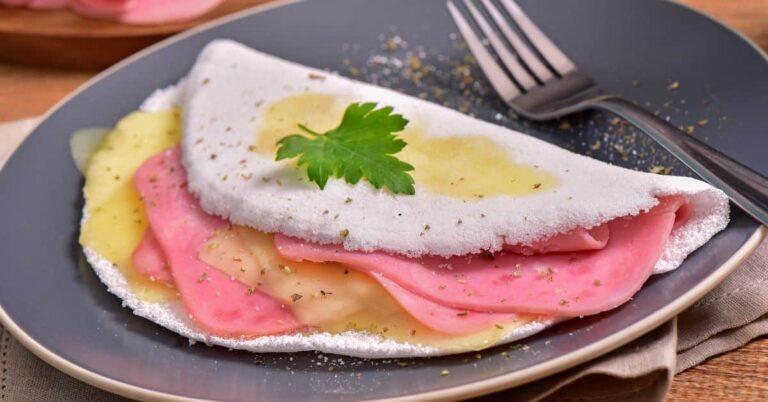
39,4
144,11
127,11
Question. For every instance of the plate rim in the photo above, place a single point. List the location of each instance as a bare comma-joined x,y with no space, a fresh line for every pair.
469,390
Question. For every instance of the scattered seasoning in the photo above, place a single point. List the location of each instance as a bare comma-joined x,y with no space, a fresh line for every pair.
548,271
498,326
402,363
213,156
658,169
213,245
348,201
563,302
690,129
444,373
442,287
702,122
597,283
517,272
482,215
324,293
315,76
266,179
295,297
250,291
427,227
462,314
343,232
346,271
504,354
202,277
461,280
242,269
478,356
673,86
459,222
393,43
595,146
564,125
536,186
284,268
251,148
206,81
325,212
413,332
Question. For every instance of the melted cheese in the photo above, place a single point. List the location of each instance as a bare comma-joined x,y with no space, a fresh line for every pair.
115,217
328,296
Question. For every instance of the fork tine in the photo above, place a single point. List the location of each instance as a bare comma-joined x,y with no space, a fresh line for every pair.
503,85
507,58
539,69
556,58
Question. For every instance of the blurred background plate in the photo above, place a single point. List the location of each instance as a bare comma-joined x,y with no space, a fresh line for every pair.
63,39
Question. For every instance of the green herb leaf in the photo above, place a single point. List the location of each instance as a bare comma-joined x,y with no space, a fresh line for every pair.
360,147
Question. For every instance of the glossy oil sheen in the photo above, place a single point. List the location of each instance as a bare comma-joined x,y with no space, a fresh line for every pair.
480,169
71,314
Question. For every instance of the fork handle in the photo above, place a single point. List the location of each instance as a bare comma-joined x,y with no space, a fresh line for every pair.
745,187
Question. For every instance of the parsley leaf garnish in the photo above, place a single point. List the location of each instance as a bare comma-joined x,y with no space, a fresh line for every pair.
360,147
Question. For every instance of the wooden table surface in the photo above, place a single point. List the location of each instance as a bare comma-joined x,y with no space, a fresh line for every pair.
741,375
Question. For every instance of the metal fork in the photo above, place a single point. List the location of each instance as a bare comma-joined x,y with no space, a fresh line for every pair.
549,85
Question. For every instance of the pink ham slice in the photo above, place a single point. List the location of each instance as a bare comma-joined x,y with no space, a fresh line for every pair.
144,11
561,284
149,260
219,305
439,317
579,239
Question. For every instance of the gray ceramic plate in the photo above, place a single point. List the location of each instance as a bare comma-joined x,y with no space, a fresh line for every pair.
56,306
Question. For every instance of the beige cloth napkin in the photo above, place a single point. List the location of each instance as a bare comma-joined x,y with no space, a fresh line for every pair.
730,316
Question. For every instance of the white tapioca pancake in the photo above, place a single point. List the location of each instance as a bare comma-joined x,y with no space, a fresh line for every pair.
501,185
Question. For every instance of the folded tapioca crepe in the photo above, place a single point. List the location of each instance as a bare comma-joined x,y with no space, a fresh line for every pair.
192,221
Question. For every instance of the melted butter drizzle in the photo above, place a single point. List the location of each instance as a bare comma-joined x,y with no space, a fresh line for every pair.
469,167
